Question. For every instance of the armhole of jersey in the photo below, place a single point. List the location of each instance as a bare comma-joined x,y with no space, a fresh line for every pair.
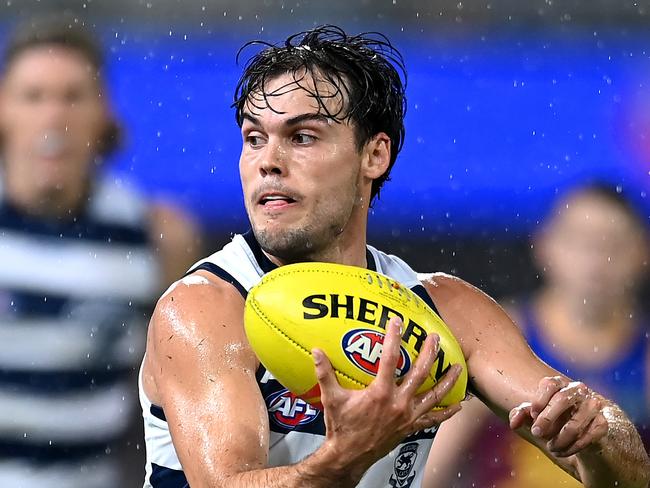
422,292
221,273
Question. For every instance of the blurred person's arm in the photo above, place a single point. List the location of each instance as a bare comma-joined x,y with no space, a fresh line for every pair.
177,238
457,435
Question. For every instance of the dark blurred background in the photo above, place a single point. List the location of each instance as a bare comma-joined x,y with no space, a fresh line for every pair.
510,102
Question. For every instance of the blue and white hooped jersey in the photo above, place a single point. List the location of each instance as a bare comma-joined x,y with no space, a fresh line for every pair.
297,428
73,294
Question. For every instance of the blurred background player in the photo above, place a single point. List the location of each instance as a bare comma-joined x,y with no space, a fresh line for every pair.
82,260
585,321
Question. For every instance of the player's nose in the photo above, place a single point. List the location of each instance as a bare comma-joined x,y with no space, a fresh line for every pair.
274,160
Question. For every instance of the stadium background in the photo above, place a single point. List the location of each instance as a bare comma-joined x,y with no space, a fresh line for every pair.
509,103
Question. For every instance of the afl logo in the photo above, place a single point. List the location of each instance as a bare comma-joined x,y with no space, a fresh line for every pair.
363,348
289,411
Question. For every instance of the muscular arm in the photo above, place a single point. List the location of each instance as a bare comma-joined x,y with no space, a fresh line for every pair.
506,374
200,369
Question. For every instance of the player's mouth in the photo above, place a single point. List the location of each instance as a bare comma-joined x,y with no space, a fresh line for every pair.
275,200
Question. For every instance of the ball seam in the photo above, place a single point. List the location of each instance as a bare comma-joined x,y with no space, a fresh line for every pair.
407,290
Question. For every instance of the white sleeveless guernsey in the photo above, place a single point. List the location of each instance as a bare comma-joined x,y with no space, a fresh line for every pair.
297,428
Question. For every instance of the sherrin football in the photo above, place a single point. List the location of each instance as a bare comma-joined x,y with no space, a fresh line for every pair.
342,310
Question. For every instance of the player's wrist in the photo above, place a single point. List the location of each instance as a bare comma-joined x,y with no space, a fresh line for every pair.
331,465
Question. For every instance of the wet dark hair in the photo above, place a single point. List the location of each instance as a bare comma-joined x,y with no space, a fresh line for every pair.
365,71
66,31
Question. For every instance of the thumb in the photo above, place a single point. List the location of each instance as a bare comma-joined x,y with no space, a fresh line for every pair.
520,415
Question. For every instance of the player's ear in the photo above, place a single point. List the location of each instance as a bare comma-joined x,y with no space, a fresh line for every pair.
378,156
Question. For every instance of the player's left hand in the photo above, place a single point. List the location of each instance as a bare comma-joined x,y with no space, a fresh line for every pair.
567,415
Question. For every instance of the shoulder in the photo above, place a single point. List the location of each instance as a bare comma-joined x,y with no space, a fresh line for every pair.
198,307
453,292
195,299
193,324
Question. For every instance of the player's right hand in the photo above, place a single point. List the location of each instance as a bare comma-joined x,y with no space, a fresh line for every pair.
365,425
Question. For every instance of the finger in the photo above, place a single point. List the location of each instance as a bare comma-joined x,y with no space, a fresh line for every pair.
549,423
577,425
390,352
426,401
558,411
435,417
422,367
548,387
520,416
596,430
329,385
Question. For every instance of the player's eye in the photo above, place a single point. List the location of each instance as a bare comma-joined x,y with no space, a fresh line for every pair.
302,138
254,141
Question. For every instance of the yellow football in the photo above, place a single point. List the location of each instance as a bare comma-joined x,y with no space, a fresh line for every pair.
342,310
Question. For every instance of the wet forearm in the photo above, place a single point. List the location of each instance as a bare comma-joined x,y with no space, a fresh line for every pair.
619,459
322,469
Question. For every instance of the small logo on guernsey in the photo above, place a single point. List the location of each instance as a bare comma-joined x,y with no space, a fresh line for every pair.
404,462
363,348
289,411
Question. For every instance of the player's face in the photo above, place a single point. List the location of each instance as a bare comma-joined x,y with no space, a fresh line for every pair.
51,116
593,250
300,173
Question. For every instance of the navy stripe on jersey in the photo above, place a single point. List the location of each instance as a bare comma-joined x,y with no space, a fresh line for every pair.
158,412
162,477
422,434
80,228
422,292
223,274
57,451
262,259
34,304
25,303
370,260
56,382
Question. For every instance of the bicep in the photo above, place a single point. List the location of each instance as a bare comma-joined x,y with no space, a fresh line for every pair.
204,372
503,370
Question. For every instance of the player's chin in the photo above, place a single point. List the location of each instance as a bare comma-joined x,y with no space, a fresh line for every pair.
273,229
289,242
